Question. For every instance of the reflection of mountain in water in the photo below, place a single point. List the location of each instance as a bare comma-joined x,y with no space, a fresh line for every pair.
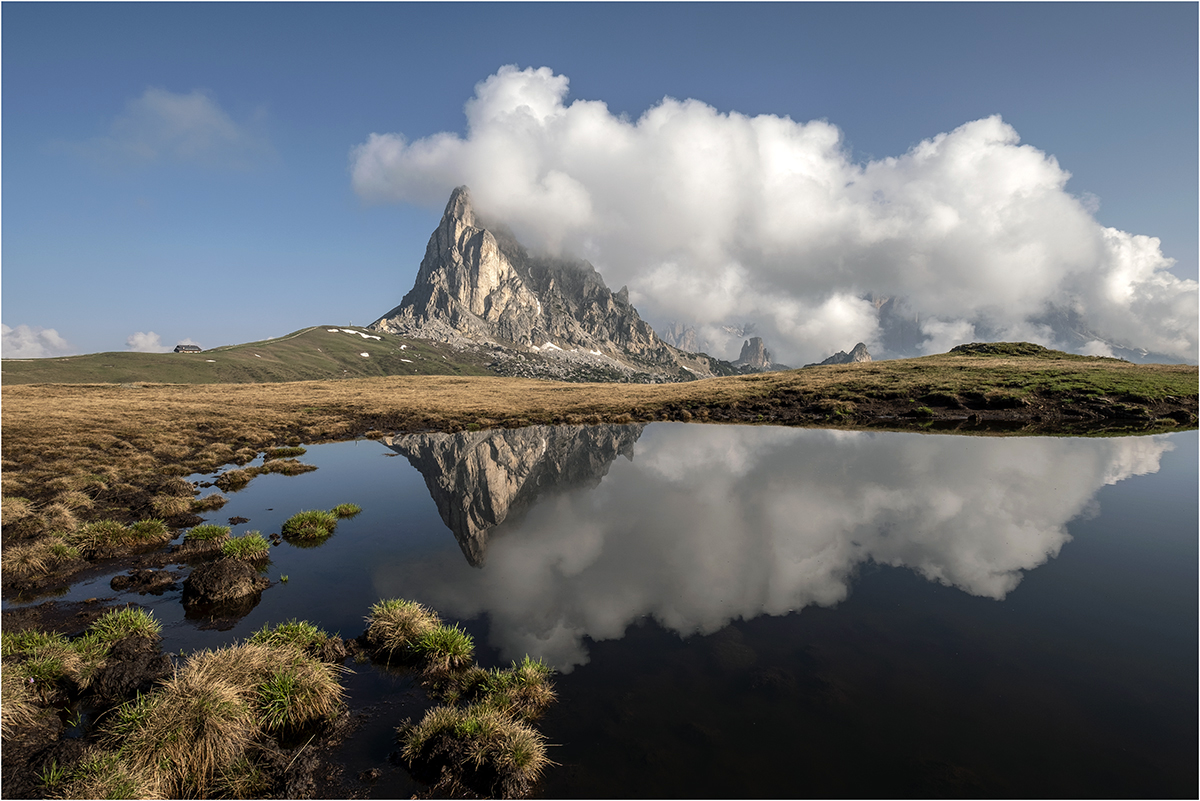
714,523
479,479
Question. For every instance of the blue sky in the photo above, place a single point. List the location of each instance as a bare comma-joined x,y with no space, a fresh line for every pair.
185,169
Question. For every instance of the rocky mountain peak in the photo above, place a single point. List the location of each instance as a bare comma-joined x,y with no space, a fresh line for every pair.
857,354
754,354
478,285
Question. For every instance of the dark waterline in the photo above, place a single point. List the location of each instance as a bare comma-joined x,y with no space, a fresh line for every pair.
972,616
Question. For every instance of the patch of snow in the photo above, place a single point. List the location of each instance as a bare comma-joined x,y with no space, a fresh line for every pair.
551,346
402,347
407,360
364,355
214,361
349,331
367,336
332,330
594,352
257,356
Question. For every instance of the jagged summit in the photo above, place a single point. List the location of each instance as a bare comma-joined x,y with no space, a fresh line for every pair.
478,284
857,354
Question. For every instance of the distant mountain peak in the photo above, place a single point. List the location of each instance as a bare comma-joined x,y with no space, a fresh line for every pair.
857,354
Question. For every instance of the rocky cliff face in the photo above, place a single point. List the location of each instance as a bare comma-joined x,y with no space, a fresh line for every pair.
754,354
857,354
480,479
477,282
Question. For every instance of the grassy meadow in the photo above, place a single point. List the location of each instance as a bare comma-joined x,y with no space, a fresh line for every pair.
320,352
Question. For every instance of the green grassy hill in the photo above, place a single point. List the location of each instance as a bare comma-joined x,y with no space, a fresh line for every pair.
320,352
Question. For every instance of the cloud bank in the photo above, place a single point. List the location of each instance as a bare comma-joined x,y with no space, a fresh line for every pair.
709,524
32,342
162,126
714,218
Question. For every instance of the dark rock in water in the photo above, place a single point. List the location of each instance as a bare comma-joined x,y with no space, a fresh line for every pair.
145,581
134,664
477,285
221,581
857,354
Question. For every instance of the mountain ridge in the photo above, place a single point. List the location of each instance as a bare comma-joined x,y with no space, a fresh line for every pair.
478,285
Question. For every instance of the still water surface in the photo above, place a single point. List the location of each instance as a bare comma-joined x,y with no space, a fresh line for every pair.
754,611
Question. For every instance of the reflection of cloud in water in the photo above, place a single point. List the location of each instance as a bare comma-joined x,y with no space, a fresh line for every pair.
708,524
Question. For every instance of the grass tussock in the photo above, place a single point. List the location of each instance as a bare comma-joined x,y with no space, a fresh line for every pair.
346,509
209,503
312,524
102,536
295,633
477,748
44,661
171,505
76,500
234,480
59,517
104,774
39,558
445,649
523,691
117,624
286,467
14,509
16,702
198,732
250,547
207,532
264,672
395,625
185,732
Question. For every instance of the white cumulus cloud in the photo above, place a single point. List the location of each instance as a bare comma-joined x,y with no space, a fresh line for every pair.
33,342
714,217
148,342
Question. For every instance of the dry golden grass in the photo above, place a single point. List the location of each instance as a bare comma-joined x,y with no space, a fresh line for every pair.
37,558
194,732
16,702
13,510
186,732
396,625
103,774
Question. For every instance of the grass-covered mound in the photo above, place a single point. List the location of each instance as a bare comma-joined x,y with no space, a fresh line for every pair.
213,726
480,741
311,525
250,547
